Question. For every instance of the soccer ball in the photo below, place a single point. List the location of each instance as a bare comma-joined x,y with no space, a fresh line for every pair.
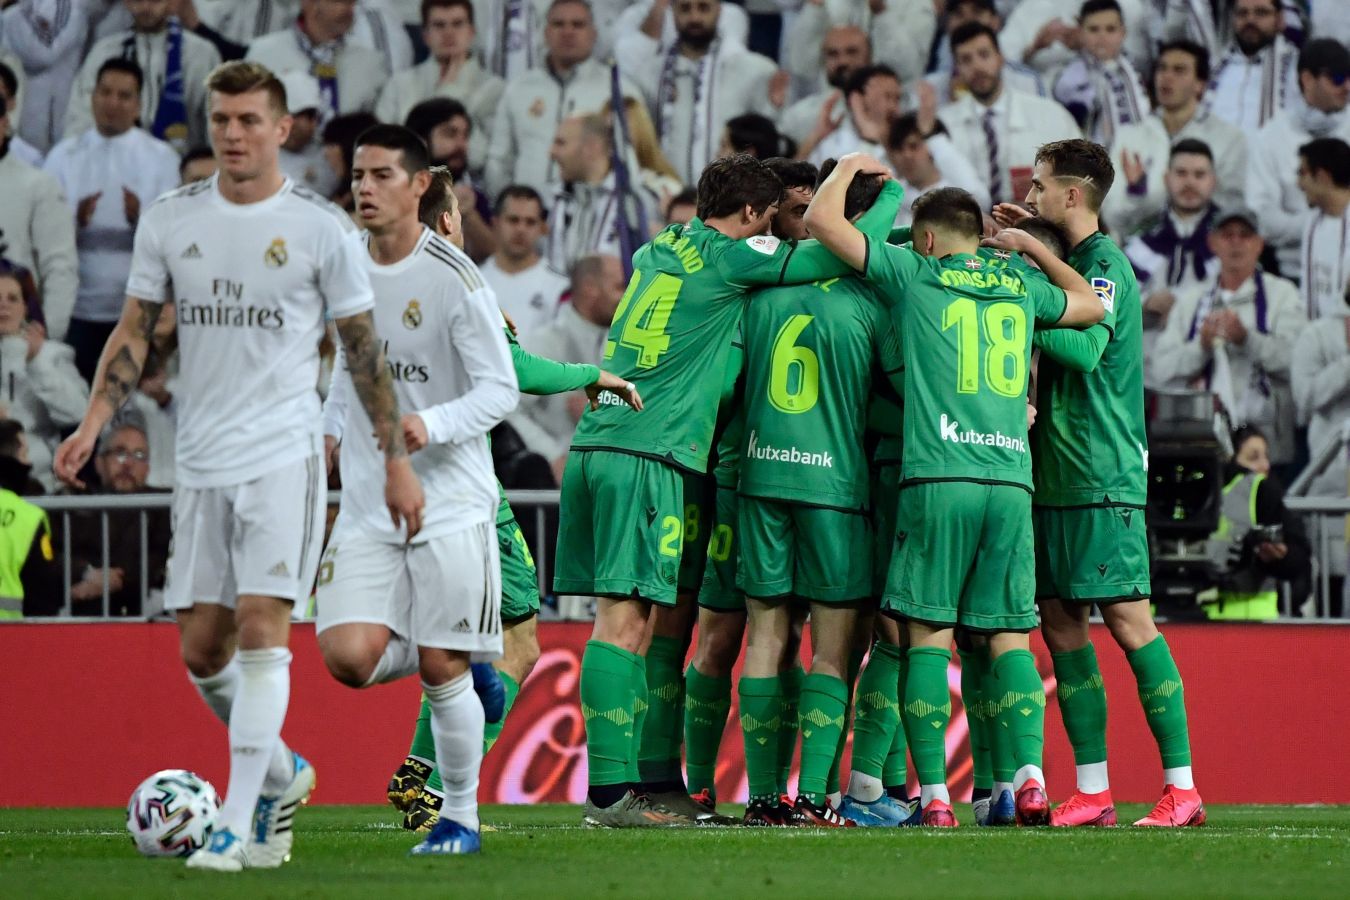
172,813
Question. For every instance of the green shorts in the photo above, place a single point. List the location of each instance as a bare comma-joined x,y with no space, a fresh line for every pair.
620,527
806,552
719,591
520,581
885,496
699,496
964,556
1095,554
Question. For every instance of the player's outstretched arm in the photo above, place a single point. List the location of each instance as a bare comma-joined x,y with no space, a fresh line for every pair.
1083,307
375,389
118,373
541,376
1079,351
825,216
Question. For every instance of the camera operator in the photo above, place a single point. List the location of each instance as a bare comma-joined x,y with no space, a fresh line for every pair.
1258,542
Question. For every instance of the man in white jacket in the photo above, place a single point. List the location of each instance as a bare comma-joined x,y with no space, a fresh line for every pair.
108,173
1272,173
1234,335
48,38
844,50
901,31
1257,76
999,129
1324,178
1142,151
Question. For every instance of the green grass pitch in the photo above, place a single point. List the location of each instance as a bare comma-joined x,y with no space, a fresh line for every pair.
1265,851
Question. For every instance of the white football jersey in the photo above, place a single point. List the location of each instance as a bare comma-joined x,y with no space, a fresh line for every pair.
451,365
250,283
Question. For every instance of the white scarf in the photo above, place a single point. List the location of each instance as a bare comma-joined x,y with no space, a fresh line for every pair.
45,32
703,130
1123,100
509,38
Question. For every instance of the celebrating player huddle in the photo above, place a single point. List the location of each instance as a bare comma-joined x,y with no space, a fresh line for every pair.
783,428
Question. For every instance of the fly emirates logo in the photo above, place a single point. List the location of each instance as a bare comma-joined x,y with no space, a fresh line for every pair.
950,429
791,455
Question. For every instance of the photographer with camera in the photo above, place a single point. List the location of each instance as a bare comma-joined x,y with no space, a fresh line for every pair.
1258,542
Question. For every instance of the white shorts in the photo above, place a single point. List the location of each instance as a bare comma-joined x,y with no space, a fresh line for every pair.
444,593
261,538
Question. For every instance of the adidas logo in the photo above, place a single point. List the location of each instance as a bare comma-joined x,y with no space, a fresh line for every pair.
191,252
462,627
279,571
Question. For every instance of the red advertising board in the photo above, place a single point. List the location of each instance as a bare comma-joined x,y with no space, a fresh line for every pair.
112,702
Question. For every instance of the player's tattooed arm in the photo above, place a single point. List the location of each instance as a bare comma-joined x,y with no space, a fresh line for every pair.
371,380
119,369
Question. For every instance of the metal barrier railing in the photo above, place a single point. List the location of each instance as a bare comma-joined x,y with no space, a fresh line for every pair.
1328,541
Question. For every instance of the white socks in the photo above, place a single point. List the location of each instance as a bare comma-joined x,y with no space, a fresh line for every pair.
457,726
1180,777
256,716
1092,778
930,792
864,788
218,692
1027,773
398,661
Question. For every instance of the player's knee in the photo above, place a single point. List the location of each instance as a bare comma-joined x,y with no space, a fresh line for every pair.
204,659
1131,624
351,669
442,667
717,651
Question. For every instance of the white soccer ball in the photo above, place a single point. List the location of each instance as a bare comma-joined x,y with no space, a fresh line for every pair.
172,813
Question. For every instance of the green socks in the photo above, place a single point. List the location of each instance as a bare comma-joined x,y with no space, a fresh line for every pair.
423,744
925,712
877,716
663,729
493,730
895,774
632,771
1082,703
1019,704
1003,762
706,705
791,683
824,707
974,668
610,677
761,722
1163,700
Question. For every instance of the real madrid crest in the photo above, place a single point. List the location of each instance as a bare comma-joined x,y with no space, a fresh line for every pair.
412,315
275,256
537,107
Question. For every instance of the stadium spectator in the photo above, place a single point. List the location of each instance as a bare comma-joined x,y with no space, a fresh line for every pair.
1100,87
197,164
949,88
36,230
526,288
374,25
901,31
12,86
452,70
1272,174
47,41
568,83
175,63
1045,35
753,134
577,335
1324,179
1258,541
30,579
589,213
339,145
998,129
317,42
925,159
444,124
871,103
1257,76
682,207
39,385
646,160
695,83
1233,335
108,174
844,51
1173,252
1143,151
510,35
302,155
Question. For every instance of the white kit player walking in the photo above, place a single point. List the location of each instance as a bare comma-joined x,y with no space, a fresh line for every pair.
250,262
388,606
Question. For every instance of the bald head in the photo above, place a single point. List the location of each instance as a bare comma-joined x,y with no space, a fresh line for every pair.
846,49
597,286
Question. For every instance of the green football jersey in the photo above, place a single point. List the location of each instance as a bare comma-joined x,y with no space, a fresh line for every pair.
811,352
1089,442
966,329
672,330
731,419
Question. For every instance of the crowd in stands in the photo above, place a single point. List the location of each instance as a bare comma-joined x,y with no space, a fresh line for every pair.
1227,121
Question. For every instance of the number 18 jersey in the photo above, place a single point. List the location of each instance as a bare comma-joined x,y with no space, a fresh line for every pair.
966,328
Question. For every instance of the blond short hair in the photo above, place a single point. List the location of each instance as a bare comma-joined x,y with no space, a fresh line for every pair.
244,77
